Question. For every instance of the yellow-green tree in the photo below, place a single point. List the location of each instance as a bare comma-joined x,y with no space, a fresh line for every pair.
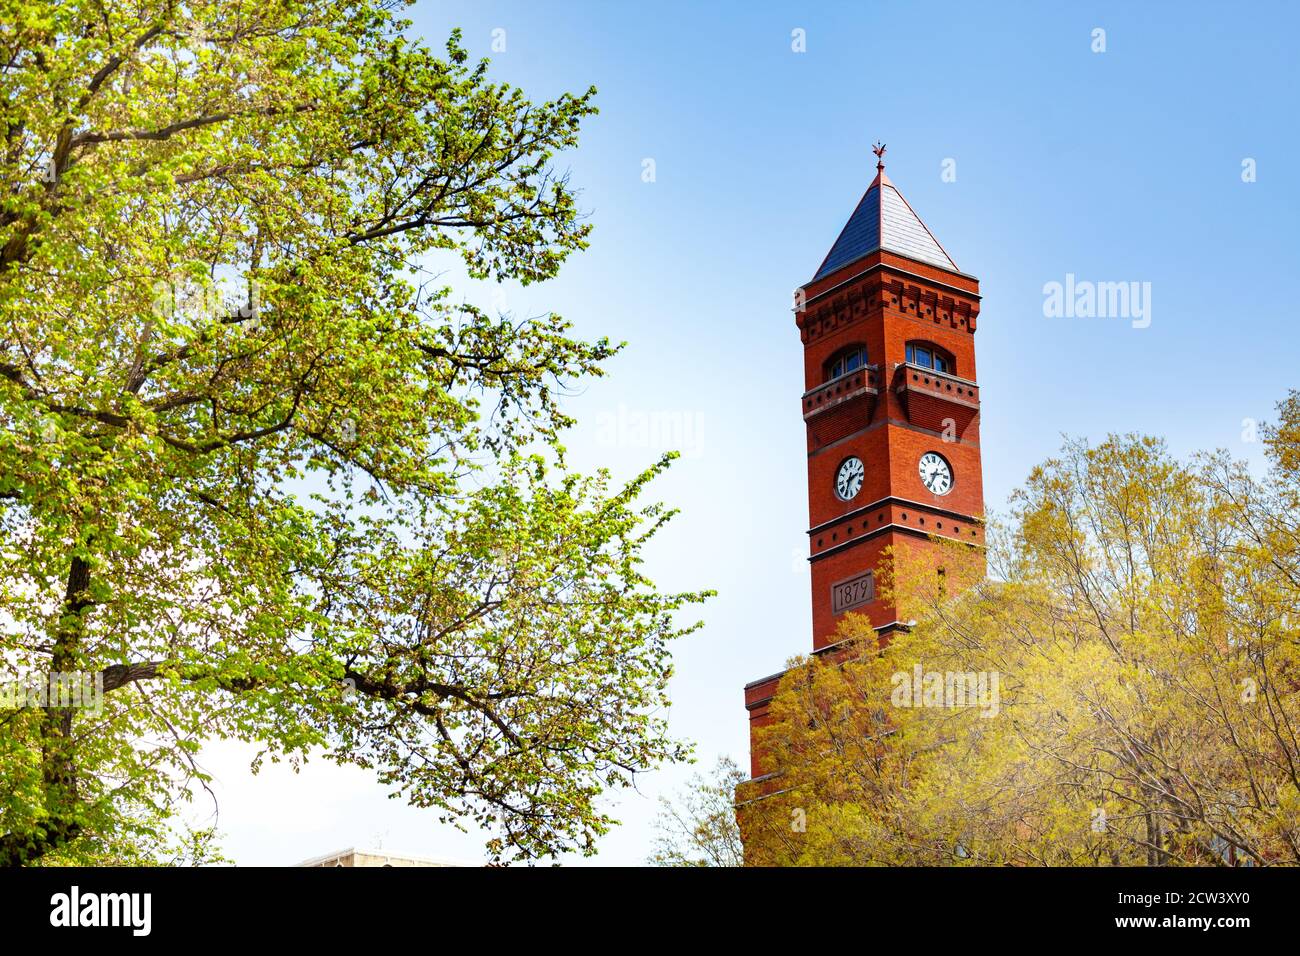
699,827
1132,668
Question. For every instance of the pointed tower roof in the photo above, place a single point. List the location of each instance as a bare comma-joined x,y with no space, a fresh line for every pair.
884,220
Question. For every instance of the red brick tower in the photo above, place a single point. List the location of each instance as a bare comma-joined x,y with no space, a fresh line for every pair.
892,411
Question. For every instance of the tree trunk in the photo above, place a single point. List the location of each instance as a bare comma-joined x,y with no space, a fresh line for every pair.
58,760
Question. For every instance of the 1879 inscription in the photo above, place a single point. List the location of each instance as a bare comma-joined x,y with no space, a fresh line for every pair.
853,592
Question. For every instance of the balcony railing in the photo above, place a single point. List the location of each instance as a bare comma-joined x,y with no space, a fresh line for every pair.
940,384
861,381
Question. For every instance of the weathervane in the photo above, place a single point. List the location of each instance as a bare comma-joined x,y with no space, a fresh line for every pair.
879,150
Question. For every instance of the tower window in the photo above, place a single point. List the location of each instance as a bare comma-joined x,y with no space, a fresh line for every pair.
927,356
850,360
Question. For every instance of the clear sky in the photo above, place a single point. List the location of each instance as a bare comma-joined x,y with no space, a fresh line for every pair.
1116,166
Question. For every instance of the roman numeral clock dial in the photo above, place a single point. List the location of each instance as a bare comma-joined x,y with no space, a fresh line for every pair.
848,480
936,473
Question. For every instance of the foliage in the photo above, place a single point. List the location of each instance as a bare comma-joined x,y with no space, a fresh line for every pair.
261,482
699,828
1143,621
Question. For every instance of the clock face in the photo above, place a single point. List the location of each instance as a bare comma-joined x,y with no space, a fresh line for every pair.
848,480
936,473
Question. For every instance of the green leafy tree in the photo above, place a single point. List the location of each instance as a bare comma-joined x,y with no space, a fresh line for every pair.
699,827
261,482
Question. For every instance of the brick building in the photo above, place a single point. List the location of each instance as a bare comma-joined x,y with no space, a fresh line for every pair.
891,407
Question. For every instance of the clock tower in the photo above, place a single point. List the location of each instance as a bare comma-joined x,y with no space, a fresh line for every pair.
891,408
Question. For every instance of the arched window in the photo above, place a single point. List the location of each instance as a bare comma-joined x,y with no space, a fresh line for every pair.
847,360
930,356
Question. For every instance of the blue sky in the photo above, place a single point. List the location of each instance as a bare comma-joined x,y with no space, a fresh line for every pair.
1124,165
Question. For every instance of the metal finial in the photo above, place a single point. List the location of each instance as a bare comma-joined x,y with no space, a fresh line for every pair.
879,150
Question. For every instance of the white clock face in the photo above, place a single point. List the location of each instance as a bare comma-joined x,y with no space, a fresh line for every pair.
848,480
936,474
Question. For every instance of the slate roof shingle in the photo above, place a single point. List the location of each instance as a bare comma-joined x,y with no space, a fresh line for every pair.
884,220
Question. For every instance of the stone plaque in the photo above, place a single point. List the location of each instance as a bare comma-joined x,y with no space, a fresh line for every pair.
846,595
